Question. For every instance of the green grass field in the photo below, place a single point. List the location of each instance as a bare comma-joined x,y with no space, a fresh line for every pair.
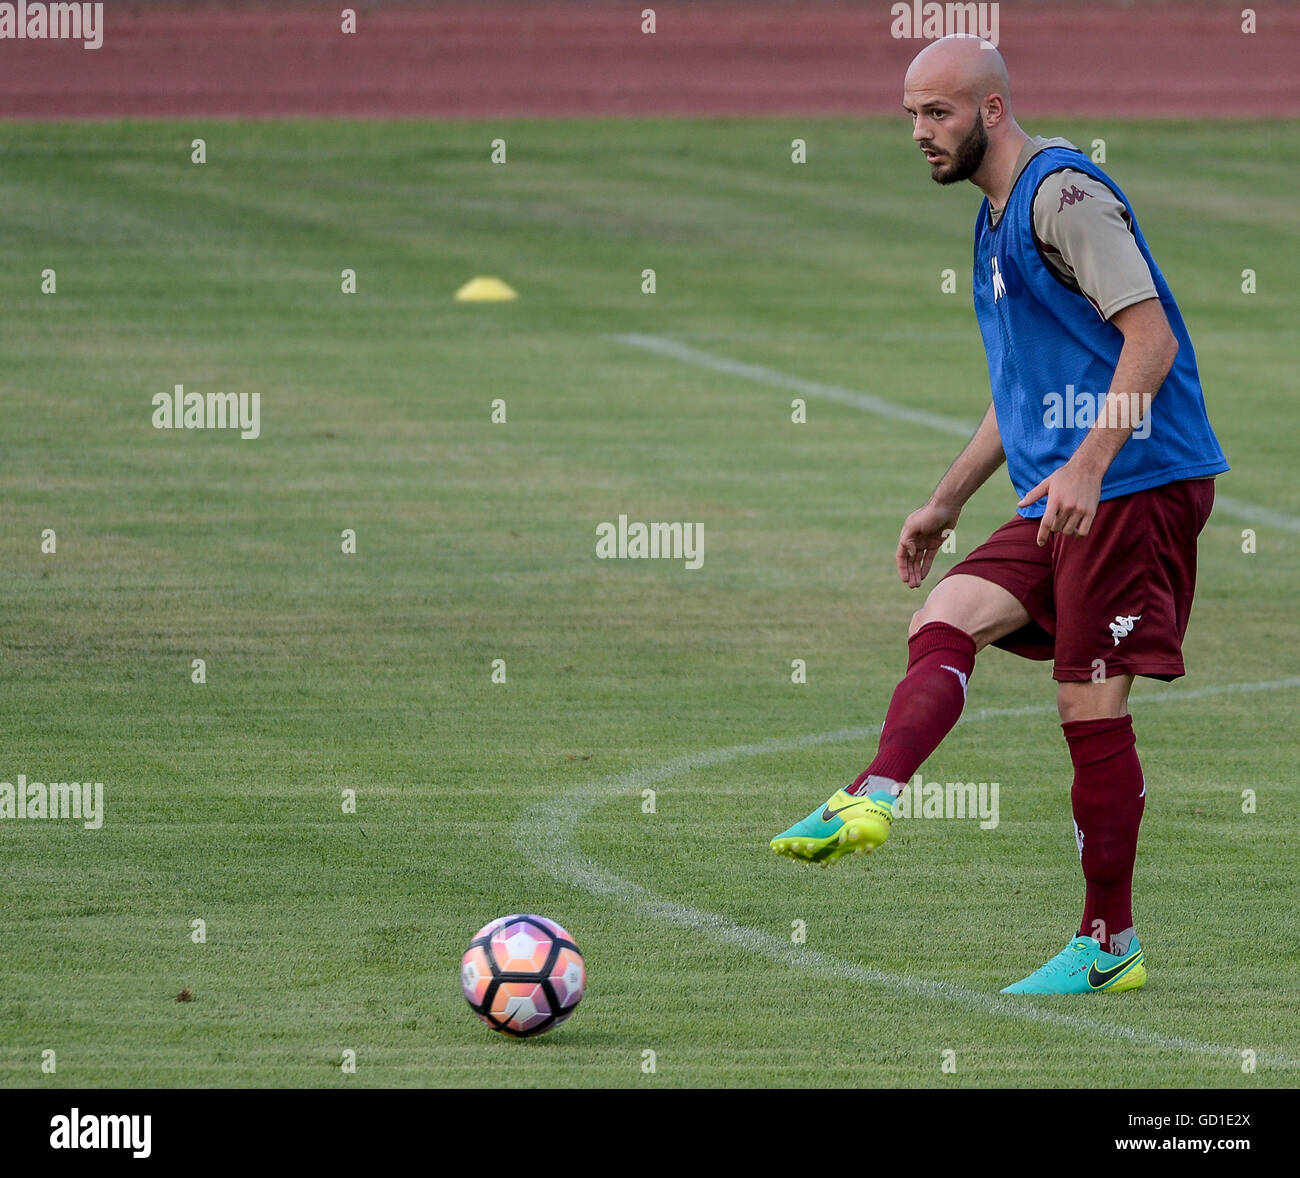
329,931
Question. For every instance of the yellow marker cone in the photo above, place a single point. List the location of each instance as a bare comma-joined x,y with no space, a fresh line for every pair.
485,290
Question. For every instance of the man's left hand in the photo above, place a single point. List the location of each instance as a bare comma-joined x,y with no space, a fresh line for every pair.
1072,497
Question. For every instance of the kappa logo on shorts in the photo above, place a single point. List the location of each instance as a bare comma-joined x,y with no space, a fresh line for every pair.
1122,626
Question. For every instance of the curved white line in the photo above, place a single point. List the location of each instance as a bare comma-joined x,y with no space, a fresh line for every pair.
547,838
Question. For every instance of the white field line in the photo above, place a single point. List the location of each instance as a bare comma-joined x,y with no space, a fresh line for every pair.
1228,505
547,837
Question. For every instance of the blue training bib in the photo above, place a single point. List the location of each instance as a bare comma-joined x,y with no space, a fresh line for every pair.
1051,356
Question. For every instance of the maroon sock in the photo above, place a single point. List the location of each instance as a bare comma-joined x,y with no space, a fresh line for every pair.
1108,797
926,704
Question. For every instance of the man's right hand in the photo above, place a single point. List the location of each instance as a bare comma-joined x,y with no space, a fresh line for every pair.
921,537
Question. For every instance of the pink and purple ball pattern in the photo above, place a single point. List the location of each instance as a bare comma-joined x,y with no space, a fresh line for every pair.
522,974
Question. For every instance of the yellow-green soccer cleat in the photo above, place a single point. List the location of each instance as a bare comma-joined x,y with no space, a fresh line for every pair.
844,825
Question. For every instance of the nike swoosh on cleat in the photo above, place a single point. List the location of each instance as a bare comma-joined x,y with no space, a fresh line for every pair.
1100,977
828,814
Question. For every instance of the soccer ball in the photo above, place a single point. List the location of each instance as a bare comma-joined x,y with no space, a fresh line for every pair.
522,975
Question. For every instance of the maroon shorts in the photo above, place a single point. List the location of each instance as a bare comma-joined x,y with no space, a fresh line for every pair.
1118,598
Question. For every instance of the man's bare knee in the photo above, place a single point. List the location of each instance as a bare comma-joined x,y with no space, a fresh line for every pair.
1093,701
980,608
934,611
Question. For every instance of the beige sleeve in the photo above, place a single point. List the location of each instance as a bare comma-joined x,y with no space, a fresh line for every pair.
1084,230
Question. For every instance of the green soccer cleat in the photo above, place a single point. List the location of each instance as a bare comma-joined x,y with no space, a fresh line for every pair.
844,825
1084,967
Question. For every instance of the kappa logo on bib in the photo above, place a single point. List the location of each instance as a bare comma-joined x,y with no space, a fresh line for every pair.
1005,278
999,283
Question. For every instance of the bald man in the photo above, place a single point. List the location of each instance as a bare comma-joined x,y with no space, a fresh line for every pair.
1098,413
